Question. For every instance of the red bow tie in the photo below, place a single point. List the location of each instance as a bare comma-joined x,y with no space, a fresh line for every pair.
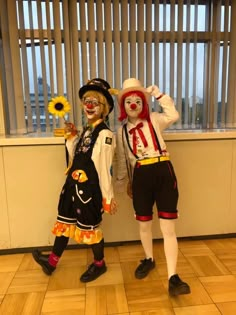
133,132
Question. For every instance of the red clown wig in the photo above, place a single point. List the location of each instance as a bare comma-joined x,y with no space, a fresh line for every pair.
145,111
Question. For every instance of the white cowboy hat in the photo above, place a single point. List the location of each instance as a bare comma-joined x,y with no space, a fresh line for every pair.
132,84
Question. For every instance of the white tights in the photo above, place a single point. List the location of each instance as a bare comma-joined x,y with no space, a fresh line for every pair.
170,242
145,231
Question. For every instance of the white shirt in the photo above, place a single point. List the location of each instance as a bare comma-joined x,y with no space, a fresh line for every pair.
160,121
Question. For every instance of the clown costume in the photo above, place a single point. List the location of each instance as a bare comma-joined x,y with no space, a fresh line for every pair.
142,152
88,190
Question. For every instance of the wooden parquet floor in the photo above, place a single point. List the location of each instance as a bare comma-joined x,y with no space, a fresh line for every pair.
209,266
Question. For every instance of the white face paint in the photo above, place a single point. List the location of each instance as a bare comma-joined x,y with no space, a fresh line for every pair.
133,106
92,109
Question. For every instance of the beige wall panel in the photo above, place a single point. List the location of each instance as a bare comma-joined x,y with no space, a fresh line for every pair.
34,176
4,230
232,214
203,169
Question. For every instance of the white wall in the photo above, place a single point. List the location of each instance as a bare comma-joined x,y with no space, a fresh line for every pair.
4,230
31,177
205,171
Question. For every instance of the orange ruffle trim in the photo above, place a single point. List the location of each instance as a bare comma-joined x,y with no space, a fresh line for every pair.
80,236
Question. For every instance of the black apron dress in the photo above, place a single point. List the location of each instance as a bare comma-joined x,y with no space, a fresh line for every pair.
80,202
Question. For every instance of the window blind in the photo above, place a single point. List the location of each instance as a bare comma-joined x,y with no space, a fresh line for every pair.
50,48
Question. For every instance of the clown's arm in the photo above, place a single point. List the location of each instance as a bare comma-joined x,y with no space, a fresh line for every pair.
121,165
72,137
169,114
102,157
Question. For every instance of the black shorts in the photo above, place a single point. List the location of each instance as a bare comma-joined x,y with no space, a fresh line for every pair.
155,183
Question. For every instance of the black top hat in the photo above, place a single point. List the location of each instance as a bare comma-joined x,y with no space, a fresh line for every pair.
98,85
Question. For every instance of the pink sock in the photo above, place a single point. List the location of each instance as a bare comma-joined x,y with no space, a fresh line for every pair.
99,263
53,259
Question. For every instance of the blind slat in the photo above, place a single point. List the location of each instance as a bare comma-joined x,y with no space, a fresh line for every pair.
68,62
91,40
76,65
100,40
194,99
132,39
83,40
140,37
231,112
179,63
17,105
172,49
124,40
224,64
148,39
43,66
25,67
187,66
58,47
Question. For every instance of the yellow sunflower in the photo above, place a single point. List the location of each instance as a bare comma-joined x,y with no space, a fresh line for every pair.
59,106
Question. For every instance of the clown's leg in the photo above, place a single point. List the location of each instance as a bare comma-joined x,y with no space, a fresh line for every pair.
170,245
176,285
145,231
98,267
49,262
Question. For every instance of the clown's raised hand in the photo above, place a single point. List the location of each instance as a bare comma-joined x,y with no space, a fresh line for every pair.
154,91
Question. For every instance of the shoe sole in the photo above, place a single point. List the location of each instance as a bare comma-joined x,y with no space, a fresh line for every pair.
35,255
180,291
143,276
102,272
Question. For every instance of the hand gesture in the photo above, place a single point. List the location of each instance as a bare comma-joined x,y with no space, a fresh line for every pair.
154,91
113,206
70,130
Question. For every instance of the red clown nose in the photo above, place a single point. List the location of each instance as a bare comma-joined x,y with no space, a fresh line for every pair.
133,106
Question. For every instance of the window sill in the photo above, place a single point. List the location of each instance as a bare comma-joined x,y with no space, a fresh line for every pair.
201,134
170,135
31,139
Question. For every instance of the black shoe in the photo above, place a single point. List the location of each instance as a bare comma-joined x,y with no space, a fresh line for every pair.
93,273
177,286
42,260
144,268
